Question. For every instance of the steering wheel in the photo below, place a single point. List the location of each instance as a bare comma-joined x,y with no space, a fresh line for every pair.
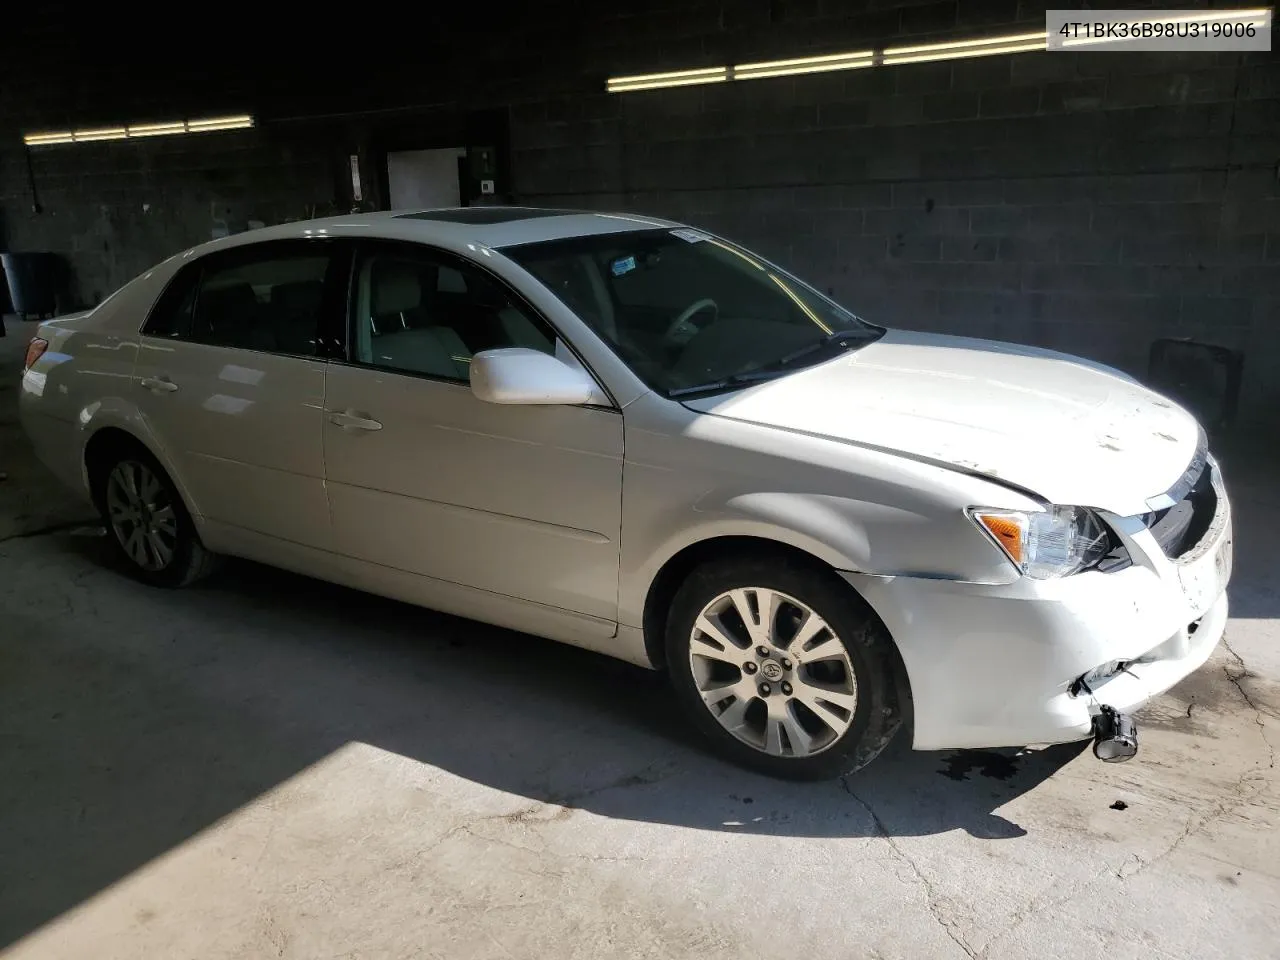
688,313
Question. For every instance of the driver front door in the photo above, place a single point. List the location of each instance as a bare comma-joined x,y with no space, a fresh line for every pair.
488,503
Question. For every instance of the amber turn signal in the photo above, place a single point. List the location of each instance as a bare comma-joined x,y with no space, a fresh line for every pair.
1006,530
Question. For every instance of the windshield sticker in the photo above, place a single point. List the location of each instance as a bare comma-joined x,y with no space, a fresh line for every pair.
622,265
689,236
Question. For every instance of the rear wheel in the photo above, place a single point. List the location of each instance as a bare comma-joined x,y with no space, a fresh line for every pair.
149,525
783,667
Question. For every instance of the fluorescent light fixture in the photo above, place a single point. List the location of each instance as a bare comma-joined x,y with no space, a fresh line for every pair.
799,65
961,54
919,53
220,123
675,78
156,129
139,130
33,139
957,49
102,133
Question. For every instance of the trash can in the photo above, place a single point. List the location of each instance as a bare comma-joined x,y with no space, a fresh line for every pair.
1203,377
32,283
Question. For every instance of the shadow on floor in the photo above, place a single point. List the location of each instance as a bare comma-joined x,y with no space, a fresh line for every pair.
137,717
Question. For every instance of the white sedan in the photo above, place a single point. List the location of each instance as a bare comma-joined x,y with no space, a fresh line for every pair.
639,438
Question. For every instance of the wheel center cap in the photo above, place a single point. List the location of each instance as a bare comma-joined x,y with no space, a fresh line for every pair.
771,670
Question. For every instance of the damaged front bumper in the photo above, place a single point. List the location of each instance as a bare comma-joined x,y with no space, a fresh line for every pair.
1007,665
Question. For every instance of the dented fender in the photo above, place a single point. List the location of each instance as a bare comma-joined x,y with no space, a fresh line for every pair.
859,510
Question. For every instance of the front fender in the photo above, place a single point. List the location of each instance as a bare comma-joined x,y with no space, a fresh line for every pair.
845,534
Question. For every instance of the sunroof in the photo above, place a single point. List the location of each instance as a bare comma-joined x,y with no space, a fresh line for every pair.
481,215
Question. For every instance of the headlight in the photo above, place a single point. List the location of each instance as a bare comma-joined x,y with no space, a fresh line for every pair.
1056,542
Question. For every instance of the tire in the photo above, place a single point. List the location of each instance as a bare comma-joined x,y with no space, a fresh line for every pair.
831,707
147,523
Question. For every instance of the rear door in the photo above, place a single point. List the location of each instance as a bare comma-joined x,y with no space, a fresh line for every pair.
231,381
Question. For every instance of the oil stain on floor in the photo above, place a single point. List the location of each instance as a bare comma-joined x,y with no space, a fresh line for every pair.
988,763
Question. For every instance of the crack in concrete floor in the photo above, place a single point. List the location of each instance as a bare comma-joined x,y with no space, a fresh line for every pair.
931,899
1237,681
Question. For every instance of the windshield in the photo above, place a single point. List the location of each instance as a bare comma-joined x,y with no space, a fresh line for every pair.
688,311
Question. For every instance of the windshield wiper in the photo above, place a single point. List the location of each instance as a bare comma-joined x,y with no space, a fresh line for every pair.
836,337
733,380
774,368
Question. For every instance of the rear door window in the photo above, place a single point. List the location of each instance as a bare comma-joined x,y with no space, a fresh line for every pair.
272,303
171,315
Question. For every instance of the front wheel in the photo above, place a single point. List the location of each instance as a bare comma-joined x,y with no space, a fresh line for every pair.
783,667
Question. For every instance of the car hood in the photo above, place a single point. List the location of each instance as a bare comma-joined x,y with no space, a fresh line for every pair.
1072,431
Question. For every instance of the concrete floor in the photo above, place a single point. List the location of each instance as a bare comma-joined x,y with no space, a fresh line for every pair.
268,766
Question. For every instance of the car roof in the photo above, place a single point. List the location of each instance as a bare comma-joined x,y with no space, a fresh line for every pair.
489,226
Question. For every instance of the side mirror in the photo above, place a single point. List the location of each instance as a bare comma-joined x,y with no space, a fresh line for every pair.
522,375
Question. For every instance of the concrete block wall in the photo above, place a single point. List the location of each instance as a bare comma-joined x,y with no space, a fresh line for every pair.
112,209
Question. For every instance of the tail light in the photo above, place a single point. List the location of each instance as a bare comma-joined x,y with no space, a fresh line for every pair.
35,350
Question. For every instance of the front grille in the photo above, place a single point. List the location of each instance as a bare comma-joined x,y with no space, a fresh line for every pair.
1180,527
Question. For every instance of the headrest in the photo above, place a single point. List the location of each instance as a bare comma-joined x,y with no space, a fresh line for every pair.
397,287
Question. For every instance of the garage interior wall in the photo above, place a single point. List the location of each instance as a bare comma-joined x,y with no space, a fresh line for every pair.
113,209
1090,202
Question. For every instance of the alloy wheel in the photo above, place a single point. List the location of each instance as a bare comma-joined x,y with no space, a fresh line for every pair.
772,671
142,515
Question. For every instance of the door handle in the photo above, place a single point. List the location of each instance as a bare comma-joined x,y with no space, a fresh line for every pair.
351,420
158,384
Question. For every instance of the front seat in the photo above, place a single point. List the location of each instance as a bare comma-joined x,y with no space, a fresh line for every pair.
396,300
402,334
